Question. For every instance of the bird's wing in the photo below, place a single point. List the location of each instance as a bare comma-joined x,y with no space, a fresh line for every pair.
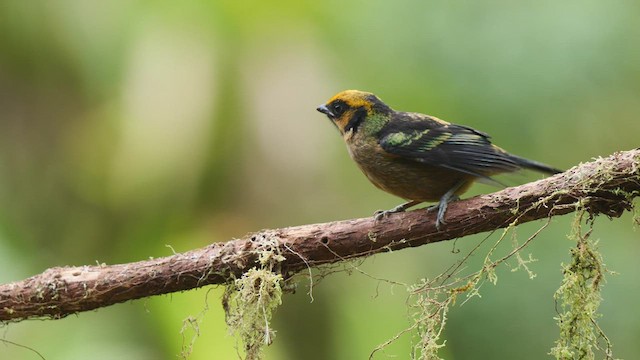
450,146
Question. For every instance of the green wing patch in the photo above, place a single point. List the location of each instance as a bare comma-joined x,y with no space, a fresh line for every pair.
435,141
417,140
450,146
404,139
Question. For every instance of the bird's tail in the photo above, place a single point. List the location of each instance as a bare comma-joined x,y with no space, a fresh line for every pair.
534,165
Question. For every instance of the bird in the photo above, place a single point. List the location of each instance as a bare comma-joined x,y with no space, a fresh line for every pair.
415,156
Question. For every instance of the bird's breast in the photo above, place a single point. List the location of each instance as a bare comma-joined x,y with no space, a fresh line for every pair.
405,178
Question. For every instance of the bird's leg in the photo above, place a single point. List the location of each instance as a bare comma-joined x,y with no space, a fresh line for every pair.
448,197
400,208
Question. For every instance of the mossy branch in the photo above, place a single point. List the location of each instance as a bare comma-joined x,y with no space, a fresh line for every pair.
603,186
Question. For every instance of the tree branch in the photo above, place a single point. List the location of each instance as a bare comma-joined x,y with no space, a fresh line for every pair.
603,186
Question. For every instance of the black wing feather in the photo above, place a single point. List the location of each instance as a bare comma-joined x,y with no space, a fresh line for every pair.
450,146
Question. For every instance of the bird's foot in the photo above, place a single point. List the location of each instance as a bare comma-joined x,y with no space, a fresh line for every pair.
441,207
380,214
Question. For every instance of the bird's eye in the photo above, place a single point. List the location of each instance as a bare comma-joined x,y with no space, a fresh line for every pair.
338,108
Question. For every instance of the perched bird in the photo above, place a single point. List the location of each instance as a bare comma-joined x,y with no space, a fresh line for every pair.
417,157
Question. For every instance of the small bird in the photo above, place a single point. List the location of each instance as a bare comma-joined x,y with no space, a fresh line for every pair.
415,156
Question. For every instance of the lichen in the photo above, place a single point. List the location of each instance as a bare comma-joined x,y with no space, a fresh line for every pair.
431,320
431,299
579,297
249,302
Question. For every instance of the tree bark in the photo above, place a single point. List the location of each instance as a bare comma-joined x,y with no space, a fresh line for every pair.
603,186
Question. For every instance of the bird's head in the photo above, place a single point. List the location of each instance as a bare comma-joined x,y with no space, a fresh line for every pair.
350,109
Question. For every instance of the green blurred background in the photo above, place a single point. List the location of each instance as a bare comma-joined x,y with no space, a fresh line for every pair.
126,126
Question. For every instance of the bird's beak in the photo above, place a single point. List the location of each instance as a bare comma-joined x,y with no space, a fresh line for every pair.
325,110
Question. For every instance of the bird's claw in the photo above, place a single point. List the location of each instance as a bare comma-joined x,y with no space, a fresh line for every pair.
440,217
381,214
442,209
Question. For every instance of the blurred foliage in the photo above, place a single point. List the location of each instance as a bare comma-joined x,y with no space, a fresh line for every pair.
129,125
